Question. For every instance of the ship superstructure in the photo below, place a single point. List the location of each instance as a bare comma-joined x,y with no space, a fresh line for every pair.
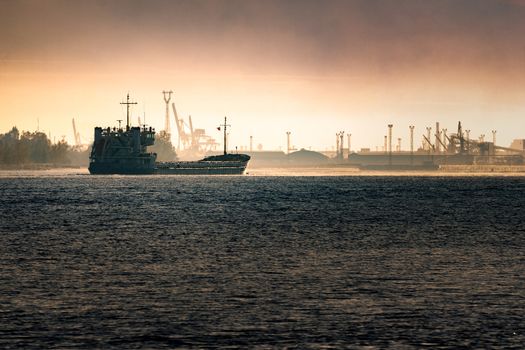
119,151
122,150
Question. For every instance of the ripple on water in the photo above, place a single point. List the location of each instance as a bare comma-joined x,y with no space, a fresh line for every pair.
309,262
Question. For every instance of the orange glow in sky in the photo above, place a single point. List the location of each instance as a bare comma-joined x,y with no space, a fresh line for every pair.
310,67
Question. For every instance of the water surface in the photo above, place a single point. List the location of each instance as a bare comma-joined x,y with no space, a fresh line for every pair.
257,261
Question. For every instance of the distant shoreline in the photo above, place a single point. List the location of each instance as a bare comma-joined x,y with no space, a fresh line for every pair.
39,166
449,171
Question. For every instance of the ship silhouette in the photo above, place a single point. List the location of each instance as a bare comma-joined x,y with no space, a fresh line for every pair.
124,151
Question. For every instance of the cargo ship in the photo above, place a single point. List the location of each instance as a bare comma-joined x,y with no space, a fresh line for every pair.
124,151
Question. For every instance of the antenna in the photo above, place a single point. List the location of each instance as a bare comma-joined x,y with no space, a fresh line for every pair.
127,103
144,116
225,126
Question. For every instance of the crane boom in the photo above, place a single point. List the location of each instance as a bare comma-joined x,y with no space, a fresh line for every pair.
438,139
429,143
180,130
193,141
76,134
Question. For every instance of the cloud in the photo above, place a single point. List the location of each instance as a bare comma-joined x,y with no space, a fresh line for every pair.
516,2
271,37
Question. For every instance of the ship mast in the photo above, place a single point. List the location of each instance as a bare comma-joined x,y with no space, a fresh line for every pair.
225,126
127,103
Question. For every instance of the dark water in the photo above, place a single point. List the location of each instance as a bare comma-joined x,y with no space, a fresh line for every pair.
262,262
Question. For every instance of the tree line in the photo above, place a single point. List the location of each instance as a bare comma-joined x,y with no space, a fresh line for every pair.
26,148
19,148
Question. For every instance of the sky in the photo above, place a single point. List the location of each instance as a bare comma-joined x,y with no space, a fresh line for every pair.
311,67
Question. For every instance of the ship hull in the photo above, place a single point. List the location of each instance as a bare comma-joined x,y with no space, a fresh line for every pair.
169,168
119,169
201,168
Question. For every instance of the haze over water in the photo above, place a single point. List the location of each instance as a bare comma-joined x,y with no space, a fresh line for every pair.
256,261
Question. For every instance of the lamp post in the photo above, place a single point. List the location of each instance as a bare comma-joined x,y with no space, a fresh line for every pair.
468,140
429,132
411,127
390,126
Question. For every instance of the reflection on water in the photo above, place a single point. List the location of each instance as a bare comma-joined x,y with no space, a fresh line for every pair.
255,261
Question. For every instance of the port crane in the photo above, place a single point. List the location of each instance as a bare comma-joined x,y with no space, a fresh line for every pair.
196,140
76,135
458,144
431,147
